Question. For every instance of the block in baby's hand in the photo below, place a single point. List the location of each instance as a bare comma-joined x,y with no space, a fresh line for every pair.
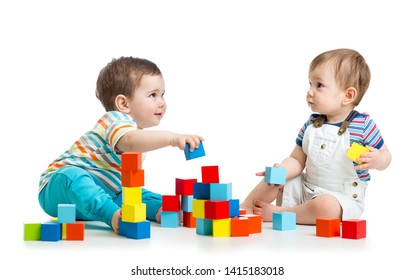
275,175
197,152
355,151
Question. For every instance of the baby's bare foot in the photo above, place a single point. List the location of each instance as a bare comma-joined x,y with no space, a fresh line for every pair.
265,210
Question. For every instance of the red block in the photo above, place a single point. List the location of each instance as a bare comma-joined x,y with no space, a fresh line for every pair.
240,226
188,220
170,203
185,186
131,161
210,174
132,178
75,231
327,227
354,229
215,210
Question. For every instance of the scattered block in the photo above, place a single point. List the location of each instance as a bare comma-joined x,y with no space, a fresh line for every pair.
75,231
170,219
66,213
50,231
284,220
239,226
275,175
354,229
185,186
32,232
355,151
210,174
131,161
196,153
328,227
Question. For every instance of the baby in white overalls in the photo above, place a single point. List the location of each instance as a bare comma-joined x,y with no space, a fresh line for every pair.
321,180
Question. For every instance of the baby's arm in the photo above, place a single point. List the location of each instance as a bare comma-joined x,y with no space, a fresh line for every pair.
378,159
147,140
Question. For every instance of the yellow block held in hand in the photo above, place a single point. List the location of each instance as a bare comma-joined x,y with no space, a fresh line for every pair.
355,151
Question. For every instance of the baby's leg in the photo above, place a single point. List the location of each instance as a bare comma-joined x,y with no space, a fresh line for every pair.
325,205
263,192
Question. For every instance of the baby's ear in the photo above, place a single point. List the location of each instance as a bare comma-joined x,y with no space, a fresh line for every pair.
350,95
121,103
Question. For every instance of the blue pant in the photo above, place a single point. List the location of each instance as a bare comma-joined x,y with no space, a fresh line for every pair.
93,199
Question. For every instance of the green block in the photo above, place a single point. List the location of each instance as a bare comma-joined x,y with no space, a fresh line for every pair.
32,232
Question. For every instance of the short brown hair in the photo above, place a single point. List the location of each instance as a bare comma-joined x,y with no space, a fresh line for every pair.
122,76
350,69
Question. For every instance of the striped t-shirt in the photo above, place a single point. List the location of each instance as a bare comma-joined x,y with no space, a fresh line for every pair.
362,130
95,151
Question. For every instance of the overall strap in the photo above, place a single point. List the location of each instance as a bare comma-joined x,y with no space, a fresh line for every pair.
347,121
318,122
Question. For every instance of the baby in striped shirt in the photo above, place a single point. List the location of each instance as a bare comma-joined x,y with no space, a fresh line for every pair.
88,173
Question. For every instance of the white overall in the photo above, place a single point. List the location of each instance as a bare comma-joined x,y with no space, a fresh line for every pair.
328,171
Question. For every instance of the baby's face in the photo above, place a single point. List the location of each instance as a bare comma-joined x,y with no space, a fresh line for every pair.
147,105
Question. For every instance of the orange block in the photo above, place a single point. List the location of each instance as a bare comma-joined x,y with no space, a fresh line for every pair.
240,226
188,220
75,231
131,161
328,227
255,223
132,178
242,211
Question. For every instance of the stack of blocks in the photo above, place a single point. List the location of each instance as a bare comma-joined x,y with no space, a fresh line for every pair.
216,213
351,229
133,223
65,227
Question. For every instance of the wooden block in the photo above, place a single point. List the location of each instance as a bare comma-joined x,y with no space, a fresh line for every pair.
199,208
170,203
255,223
140,230
188,220
275,175
239,226
132,195
75,231
66,213
242,212
50,231
204,226
234,208
170,219
32,232
187,203
355,151
132,178
216,209
196,153
201,191
131,161
354,229
210,174
185,186
220,191
328,227
221,228
133,213
284,220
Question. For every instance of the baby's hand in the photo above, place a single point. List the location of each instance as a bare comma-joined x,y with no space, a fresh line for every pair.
369,160
115,221
180,140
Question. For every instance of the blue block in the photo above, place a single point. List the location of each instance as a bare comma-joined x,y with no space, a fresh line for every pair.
187,203
140,230
220,191
234,208
197,152
201,191
170,219
275,175
50,231
284,220
66,213
204,226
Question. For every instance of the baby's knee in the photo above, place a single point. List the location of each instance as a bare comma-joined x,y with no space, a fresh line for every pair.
328,206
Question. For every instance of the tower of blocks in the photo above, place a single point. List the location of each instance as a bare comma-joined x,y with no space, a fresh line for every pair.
216,212
332,227
64,227
133,223
355,151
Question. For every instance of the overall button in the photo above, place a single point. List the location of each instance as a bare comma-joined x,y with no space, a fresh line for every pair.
323,146
354,184
354,195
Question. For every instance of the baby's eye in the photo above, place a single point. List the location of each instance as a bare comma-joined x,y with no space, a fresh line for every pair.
152,95
319,85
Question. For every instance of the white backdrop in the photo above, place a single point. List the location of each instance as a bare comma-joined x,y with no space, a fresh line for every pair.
235,72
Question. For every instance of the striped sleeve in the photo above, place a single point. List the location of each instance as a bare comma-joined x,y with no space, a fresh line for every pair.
117,127
371,134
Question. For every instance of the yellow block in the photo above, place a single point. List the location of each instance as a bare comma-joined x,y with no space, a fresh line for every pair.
221,228
198,208
355,151
133,213
132,195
